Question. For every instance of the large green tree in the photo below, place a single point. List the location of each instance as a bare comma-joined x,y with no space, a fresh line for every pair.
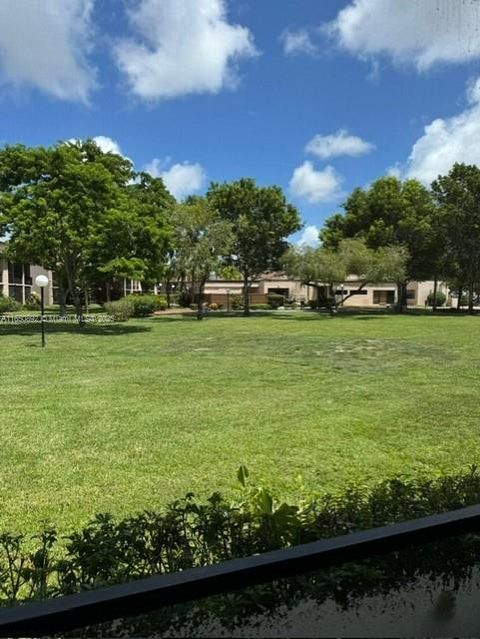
261,219
76,210
202,237
458,198
326,269
391,213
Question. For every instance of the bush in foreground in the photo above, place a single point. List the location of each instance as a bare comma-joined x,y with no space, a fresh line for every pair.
189,533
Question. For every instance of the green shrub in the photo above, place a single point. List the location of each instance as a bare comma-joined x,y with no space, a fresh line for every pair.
189,533
275,300
441,298
121,310
145,305
184,299
32,303
236,302
260,307
8,304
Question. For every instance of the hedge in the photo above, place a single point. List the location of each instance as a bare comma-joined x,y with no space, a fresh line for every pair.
189,533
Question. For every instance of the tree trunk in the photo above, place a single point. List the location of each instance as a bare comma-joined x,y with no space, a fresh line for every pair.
459,301
435,289
167,292
75,294
86,301
246,296
62,296
107,291
470,299
402,296
200,303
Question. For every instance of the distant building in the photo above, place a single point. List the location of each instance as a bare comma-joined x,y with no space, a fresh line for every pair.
18,280
373,296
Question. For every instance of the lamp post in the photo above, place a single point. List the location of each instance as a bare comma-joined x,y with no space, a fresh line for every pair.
42,281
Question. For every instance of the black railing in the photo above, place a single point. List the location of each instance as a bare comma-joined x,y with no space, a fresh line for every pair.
145,595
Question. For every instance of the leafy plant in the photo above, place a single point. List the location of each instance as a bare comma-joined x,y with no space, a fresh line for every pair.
32,303
8,304
275,300
121,310
441,298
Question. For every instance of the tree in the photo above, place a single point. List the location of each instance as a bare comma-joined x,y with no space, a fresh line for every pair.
458,197
202,238
72,209
328,268
261,219
391,213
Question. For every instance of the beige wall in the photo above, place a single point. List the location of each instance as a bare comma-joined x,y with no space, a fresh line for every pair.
34,270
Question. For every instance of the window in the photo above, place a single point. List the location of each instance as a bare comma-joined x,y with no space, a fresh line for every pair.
411,294
357,292
383,297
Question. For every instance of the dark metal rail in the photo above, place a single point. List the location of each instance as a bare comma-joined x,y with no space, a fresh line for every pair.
145,595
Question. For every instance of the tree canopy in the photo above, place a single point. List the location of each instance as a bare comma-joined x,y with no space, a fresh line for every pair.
77,211
261,220
327,268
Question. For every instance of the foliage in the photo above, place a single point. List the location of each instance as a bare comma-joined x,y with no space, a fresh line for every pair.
236,302
144,305
185,299
73,209
121,310
275,300
8,304
458,198
228,272
260,307
392,213
262,219
202,238
327,268
441,298
32,303
189,533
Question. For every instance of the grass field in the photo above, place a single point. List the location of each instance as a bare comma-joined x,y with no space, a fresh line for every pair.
128,416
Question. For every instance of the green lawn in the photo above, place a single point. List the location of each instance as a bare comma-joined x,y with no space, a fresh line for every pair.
128,416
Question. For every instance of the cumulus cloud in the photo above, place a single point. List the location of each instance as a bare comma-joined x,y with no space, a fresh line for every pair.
107,145
315,186
180,179
418,32
181,47
340,143
298,42
446,141
44,44
309,237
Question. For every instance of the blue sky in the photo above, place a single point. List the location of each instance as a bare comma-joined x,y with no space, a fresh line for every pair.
316,96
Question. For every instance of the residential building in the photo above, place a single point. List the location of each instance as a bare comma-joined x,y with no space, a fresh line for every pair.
371,296
18,280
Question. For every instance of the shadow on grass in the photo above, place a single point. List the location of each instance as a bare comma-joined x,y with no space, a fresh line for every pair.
72,329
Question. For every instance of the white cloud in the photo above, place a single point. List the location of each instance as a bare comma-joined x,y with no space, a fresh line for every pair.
418,32
340,143
44,45
309,237
181,47
180,179
315,186
298,42
107,145
446,141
